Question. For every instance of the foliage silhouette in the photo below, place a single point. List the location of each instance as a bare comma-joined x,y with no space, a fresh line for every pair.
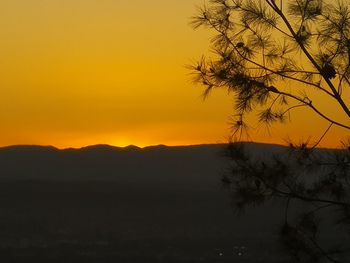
271,54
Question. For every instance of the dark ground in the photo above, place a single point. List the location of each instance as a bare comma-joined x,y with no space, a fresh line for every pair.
103,204
97,222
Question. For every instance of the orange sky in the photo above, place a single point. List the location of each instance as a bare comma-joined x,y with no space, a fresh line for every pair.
80,72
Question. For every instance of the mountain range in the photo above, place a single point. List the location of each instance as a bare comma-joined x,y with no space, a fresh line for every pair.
152,204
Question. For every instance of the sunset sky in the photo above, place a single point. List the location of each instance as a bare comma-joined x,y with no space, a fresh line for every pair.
82,72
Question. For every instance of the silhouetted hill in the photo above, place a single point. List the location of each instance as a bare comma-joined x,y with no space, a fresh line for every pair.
153,204
103,162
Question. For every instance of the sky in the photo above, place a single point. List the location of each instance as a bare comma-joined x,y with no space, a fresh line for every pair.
83,72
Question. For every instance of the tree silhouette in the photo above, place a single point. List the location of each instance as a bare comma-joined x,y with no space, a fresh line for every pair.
276,56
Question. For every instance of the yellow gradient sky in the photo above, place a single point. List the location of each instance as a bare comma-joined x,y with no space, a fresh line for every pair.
80,72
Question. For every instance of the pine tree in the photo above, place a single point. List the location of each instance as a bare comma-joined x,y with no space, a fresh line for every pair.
269,54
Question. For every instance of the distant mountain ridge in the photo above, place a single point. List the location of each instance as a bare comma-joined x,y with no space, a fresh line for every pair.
106,162
128,147
184,181
101,161
100,146
166,200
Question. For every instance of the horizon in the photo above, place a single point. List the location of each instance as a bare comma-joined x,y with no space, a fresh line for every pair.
148,146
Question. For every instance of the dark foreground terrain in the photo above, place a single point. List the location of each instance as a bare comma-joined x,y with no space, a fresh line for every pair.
105,204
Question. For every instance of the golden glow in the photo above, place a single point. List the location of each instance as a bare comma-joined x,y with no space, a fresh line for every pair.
80,72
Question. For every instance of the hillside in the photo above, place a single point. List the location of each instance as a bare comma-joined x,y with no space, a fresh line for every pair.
153,204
